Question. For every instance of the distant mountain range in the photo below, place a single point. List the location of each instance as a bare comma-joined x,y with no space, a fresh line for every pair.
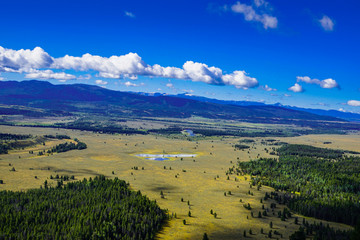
332,113
43,98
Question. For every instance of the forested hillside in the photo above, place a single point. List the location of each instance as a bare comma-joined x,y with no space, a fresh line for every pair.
97,208
325,186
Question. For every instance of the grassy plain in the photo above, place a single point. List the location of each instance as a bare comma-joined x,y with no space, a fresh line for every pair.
201,180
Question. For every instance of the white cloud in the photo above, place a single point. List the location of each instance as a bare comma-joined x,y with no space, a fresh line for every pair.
129,14
169,85
307,80
84,77
108,75
353,103
268,89
287,95
327,83
112,67
22,60
200,72
101,82
240,79
326,23
296,88
188,90
250,14
130,84
131,65
124,66
49,74
167,72
132,77
341,110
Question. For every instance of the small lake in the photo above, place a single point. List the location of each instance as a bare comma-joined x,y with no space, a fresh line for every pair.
158,158
165,155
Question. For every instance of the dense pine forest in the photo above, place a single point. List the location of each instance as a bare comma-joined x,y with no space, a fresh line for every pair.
97,208
310,151
315,182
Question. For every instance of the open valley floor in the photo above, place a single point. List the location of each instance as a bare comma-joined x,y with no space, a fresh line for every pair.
189,187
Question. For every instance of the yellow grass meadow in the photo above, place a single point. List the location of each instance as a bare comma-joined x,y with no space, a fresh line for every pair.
200,181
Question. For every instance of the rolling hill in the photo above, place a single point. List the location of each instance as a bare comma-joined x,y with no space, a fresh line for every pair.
349,116
43,98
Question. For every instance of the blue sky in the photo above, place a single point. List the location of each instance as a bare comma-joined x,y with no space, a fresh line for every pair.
308,51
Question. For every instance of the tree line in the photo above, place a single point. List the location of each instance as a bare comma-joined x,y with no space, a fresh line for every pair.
57,136
9,136
64,147
8,141
309,151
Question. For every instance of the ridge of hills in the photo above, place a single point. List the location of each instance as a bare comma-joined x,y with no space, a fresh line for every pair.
42,98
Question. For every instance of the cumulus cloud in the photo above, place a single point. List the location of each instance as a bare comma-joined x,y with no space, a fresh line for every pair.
240,79
101,82
130,65
24,59
326,83
49,74
296,88
326,23
307,80
113,67
268,89
127,66
201,72
329,83
251,15
124,66
353,103
129,14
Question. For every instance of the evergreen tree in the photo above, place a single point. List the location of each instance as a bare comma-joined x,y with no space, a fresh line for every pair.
205,237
